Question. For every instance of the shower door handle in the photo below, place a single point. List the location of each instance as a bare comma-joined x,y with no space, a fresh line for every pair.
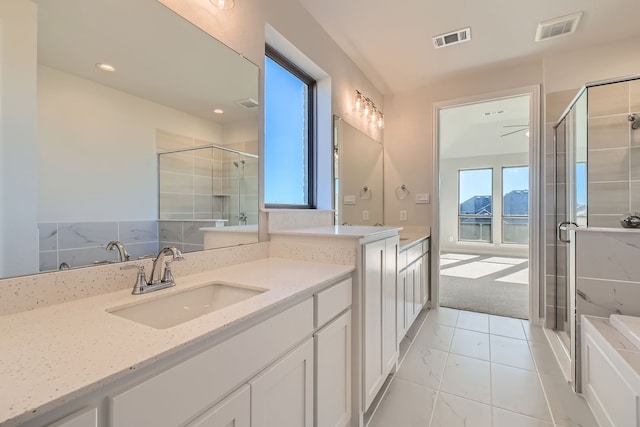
563,226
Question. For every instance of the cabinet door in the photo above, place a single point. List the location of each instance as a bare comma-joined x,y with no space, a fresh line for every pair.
374,254
401,323
390,278
282,395
418,280
234,411
409,295
425,278
333,373
82,418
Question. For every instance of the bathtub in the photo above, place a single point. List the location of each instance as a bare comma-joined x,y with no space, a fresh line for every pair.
611,369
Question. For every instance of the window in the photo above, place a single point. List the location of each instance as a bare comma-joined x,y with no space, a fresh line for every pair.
288,153
515,205
475,202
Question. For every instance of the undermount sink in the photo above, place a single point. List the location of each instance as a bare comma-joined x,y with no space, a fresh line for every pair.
176,308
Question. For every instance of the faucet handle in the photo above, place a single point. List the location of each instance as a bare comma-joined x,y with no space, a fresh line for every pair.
141,278
168,274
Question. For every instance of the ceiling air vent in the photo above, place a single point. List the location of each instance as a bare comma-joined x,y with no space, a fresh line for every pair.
454,37
248,103
558,26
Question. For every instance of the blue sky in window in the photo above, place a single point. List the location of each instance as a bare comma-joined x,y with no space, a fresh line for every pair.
474,183
515,178
285,137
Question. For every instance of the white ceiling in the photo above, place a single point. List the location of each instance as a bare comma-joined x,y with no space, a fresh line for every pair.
485,129
391,40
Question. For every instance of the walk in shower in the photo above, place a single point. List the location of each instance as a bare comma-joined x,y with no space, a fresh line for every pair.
592,181
209,184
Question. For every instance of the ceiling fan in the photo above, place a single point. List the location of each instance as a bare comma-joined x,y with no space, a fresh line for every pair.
522,129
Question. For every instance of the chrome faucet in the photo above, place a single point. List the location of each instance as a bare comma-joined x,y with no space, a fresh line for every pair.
161,275
161,271
122,252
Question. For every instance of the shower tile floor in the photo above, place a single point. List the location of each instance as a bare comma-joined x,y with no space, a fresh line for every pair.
475,370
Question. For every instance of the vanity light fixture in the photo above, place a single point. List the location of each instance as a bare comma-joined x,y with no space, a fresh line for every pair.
106,67
368,109
223,4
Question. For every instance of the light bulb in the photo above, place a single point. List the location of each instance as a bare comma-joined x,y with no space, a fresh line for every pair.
358,101
380,121
223,4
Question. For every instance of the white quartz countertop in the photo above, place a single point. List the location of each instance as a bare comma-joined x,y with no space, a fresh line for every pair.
54,354
346,231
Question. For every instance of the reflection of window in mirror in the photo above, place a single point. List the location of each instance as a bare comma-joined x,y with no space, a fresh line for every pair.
289,133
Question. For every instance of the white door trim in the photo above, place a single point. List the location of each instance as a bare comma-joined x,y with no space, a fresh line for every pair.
536,313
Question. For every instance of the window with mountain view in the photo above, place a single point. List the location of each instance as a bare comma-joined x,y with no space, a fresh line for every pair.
515,205
475,205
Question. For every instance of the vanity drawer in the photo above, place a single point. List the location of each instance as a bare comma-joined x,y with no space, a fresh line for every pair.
181,392
332,301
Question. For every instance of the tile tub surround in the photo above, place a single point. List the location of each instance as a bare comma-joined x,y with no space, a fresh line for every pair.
612,393
82,243
48,360
40,290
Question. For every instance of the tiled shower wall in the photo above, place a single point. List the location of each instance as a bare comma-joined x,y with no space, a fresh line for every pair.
614,153
84,243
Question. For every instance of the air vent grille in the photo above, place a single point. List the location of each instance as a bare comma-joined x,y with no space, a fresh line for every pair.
248,103
558,27
453,37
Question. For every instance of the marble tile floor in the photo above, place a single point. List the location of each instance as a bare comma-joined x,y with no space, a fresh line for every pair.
475,370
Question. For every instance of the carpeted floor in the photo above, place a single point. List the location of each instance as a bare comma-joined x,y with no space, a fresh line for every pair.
486,284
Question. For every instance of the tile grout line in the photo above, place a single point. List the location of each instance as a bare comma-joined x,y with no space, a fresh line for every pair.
435,401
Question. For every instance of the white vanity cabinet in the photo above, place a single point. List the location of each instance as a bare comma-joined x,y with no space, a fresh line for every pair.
333,356
282,395
379,314
233,411
413,284
289,369
83,418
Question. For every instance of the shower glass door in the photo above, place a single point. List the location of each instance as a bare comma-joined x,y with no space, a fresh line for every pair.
571,212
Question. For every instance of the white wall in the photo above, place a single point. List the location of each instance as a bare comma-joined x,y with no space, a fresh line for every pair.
79,120
408,138
18,143
449,203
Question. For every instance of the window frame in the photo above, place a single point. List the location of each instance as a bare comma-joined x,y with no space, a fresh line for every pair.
503,216
311,83
491,217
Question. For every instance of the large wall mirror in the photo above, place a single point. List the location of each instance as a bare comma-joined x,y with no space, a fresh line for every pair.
358,176
148,154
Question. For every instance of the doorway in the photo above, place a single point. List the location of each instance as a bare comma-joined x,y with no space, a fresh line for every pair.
487,217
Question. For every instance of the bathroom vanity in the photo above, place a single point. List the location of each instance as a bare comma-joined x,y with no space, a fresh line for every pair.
279,357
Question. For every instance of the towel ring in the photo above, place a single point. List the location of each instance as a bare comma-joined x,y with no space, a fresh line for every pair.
365,193
402,192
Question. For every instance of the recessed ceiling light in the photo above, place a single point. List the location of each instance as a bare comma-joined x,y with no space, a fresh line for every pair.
106,67
218,111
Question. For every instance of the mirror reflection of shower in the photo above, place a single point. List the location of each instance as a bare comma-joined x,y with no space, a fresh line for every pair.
242,215
209,183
